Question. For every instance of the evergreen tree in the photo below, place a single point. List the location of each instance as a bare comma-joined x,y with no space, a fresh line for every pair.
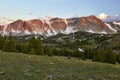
98,56
39,47
87,54
45,50
19,47
118,58
25,48
69,57
2,42
10,45
64,52
36,45
110,56
59,52
94,55
49,52
55,51
83,55
32,51
32,43
75,53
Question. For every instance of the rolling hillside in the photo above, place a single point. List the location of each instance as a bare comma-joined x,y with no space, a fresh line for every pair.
18,66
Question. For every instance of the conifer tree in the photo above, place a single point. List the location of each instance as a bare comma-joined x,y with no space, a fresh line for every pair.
87,54
55,51
118,58
25,48
49,52
39,47
45,50
36,45
83,56
32,51
69,57
2,42
32,42
19,47
98,56
10,44
110,56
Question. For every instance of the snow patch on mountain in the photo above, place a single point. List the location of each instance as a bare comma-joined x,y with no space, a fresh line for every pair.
49,33
69,30
54,32
27,32
117,23
35,32
111,27
66,22
103,32
81,50
4,30
90,31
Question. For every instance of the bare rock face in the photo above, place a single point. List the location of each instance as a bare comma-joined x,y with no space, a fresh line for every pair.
57,25
15,26
32,26
90,24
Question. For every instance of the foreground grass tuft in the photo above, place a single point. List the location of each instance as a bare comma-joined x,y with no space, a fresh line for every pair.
18,66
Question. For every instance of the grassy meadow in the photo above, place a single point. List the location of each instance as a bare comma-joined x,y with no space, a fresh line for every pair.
18,66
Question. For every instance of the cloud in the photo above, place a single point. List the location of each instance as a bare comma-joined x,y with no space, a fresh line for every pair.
102,16
6,20
109,18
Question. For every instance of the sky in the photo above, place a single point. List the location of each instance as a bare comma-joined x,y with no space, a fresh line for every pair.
57,8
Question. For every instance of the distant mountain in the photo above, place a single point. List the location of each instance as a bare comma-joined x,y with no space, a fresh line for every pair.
54,26
6,20
107,18
112,18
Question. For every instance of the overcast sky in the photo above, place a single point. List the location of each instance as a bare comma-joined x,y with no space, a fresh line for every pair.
57,8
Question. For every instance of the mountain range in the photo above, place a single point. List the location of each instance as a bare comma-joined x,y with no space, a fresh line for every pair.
53,26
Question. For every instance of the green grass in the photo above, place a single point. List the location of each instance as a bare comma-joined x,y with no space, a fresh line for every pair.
18,66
